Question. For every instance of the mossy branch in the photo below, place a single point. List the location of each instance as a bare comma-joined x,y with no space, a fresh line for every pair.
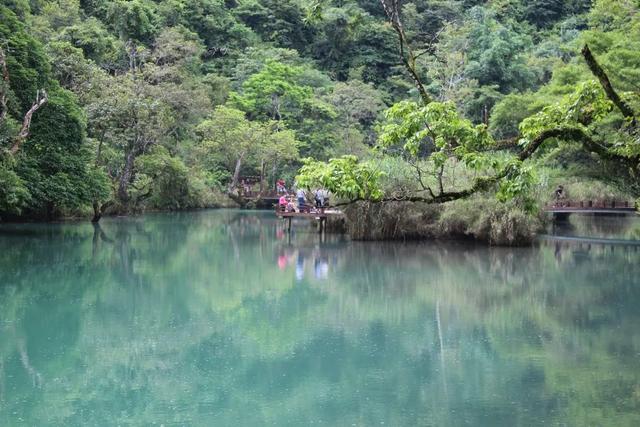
599,72
486,182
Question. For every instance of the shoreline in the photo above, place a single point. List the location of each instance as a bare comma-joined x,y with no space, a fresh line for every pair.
444,237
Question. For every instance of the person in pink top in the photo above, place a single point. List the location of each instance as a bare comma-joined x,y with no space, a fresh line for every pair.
282,202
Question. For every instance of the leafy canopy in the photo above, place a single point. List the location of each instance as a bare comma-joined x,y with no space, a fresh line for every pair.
346,177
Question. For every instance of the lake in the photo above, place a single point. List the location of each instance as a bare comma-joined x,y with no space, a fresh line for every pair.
222,318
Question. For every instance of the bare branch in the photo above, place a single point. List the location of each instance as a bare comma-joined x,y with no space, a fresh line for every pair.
419,173
41,99
392,10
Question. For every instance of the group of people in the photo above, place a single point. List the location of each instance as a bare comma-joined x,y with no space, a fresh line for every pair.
280,187
287,201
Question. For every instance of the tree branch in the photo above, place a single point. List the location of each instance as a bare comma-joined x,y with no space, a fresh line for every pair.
571,134
4,85
484,183
420,181
41,99
567,134
392,10
599,72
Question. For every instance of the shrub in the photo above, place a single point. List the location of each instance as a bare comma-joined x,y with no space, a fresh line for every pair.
480,218
485,219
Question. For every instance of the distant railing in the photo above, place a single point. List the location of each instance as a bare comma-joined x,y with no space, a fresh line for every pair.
591,205
251,194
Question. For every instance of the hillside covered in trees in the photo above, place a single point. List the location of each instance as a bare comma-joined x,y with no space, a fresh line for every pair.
120,106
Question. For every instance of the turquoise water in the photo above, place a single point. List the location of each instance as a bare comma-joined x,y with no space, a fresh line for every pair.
221,318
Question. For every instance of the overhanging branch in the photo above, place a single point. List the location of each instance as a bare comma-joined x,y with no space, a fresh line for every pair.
599,72
486,182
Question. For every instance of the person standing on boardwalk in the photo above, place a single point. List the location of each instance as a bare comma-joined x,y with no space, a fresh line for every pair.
282,203
300,194
559,195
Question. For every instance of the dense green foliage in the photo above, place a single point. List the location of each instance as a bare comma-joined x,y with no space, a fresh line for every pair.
166,104
524,99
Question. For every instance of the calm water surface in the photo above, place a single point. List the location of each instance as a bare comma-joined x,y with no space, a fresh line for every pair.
220,318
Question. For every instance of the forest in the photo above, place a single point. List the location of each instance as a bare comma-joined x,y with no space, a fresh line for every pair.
423,117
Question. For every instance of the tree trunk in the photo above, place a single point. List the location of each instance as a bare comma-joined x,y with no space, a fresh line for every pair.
262,173
236,174
275,105
125,178
274,176
99,209
97,212
4,85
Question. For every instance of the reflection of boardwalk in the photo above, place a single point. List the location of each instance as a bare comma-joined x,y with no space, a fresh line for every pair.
591,240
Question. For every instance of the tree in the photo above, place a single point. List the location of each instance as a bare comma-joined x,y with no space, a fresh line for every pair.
134,20
432,136
273,93
358,106
335,49
46,137
346,177
543,13
155,102
230,139
163,181
283,93
496,53
279,21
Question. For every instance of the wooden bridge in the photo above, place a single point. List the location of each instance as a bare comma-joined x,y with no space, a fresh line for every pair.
263,200
319,215
598,207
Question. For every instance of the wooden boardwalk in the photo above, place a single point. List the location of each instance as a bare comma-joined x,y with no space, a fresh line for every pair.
320,216
603,207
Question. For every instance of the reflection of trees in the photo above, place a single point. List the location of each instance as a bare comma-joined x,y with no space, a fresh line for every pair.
604,226
187,318
529,306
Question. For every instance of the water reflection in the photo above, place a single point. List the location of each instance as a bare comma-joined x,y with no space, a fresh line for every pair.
221,318
620,227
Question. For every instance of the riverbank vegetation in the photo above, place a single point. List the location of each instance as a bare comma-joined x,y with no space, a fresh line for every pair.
464,112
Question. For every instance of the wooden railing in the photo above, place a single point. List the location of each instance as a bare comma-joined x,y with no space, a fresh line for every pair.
591,204
251,194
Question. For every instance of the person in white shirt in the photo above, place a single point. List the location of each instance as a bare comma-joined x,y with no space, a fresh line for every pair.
300,194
